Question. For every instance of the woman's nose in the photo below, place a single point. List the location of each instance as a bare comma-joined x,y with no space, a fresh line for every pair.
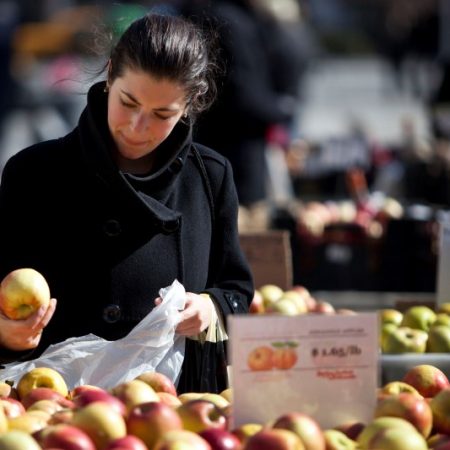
140,122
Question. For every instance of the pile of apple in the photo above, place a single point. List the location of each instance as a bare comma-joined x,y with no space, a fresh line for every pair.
313,217
146,413
270,298
419,329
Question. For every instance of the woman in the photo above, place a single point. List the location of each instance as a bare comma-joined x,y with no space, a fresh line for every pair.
126,203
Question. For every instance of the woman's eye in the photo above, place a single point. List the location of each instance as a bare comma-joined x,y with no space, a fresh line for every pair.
126,104
160,117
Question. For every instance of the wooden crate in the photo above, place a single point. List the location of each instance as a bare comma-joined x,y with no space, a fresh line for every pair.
270,257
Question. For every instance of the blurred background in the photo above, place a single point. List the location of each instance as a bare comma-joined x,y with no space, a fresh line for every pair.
359,175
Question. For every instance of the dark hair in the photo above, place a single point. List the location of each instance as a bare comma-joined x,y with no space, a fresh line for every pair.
169,47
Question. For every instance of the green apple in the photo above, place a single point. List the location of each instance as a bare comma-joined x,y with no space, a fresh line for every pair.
427,379
440,406
337,440
442,319
390,315
419,317
415,410
397,439
439,339
382,424
385,330
405,340
270,293
298,299
285,306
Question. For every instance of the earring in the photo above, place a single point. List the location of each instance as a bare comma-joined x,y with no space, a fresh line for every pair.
106,88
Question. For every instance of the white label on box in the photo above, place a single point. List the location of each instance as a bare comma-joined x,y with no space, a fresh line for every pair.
326,366
443,272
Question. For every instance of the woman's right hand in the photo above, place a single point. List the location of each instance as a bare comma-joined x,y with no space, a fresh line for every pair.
25,334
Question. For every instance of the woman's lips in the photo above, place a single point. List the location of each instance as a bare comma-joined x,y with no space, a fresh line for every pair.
133,143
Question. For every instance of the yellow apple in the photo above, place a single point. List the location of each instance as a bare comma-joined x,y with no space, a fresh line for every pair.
100,422
18,440
187,396
28,422
217,399
134,392
227,394
22,292
42,377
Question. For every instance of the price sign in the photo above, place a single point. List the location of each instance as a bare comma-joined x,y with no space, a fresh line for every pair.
443,280
323,365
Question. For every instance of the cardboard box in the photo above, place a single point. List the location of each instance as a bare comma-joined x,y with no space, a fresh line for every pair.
270,257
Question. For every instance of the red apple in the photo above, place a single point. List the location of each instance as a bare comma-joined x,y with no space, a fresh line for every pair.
45,393
305,427
64,437
63,416
128,442
11,407
274,439
257,303
149,421
323,307
397,387
22,292
427,379
84,387
221,439
88,396
102,423
199,414
181,440
351,429
158,381
407,406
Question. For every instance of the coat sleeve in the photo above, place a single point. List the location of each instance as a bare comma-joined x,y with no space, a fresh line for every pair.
230,278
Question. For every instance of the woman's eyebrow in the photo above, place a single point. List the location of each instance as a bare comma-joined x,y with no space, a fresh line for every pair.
132,98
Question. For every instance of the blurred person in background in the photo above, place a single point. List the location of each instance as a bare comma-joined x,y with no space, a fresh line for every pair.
258,94
125,203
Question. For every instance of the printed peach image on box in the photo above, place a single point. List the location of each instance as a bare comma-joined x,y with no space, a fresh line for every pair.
277,355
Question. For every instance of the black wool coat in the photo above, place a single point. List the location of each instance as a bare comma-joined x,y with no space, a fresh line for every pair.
107,241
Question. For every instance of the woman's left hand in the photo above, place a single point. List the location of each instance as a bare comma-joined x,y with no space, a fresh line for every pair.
196,315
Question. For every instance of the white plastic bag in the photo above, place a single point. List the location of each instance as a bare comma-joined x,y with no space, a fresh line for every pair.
151,345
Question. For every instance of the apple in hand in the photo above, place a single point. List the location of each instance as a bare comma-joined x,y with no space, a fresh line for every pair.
414,409
128,442
419,317
41,377
304,426
149,421
439,339
337,440
199,414
405,340
101,422
158,381
221,439
18,440
181,440
64,437
274,439
22,292
427,379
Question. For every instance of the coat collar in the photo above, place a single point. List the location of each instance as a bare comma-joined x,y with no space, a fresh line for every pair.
96,145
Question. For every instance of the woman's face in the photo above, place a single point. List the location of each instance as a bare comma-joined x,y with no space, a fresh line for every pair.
142,112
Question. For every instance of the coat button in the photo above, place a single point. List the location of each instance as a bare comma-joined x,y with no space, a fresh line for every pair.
170,226
111,313
112,228
177,165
